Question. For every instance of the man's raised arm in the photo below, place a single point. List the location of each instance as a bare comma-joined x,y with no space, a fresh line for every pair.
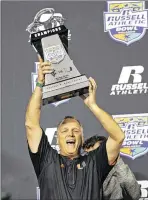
116,135
32,122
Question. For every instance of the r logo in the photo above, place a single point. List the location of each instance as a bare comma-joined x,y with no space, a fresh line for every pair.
134,71
144,189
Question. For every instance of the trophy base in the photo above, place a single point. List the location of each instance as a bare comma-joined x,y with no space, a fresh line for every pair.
65,89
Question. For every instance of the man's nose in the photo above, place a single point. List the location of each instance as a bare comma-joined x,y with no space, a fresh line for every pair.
71,133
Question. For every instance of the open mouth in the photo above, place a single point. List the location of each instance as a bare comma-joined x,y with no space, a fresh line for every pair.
70,142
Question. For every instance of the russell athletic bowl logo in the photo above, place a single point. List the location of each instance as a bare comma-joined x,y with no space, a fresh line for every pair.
135,127
55,54
126,21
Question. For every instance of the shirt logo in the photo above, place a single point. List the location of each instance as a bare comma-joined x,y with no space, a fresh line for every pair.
81,166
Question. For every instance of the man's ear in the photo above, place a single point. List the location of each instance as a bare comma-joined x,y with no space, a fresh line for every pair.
57,140
82,140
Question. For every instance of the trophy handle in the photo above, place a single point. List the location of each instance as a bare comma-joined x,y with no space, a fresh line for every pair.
33,26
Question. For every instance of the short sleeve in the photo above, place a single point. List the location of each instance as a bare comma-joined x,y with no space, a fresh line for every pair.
101,158
43,156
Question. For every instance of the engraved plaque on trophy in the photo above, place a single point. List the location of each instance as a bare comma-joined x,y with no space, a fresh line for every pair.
49,37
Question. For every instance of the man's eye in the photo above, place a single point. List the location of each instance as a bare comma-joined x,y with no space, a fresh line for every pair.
76,131
64,131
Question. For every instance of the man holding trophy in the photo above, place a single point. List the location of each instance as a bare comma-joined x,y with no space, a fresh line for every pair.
67,175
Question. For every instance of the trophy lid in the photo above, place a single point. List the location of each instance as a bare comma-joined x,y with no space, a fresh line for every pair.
45,19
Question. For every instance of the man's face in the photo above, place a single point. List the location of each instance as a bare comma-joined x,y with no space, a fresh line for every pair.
70,138
96,145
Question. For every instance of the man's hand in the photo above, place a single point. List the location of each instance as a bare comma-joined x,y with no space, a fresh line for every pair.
90,100
44,68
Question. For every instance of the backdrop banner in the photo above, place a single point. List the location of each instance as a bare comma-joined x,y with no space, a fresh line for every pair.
106,41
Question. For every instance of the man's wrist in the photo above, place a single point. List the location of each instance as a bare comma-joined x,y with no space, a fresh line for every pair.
93,106
39,84
95,109
39,81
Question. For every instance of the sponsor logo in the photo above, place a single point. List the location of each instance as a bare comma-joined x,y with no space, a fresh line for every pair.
135,127
126,21
34,81
144,190
130,82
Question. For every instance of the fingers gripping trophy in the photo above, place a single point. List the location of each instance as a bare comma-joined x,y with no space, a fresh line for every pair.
49,38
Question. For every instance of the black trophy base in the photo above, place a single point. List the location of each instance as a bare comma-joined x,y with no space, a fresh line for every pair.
65,89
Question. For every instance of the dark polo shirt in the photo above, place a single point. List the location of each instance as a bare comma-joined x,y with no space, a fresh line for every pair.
60,178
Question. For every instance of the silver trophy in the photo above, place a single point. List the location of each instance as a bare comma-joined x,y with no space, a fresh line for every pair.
49,37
